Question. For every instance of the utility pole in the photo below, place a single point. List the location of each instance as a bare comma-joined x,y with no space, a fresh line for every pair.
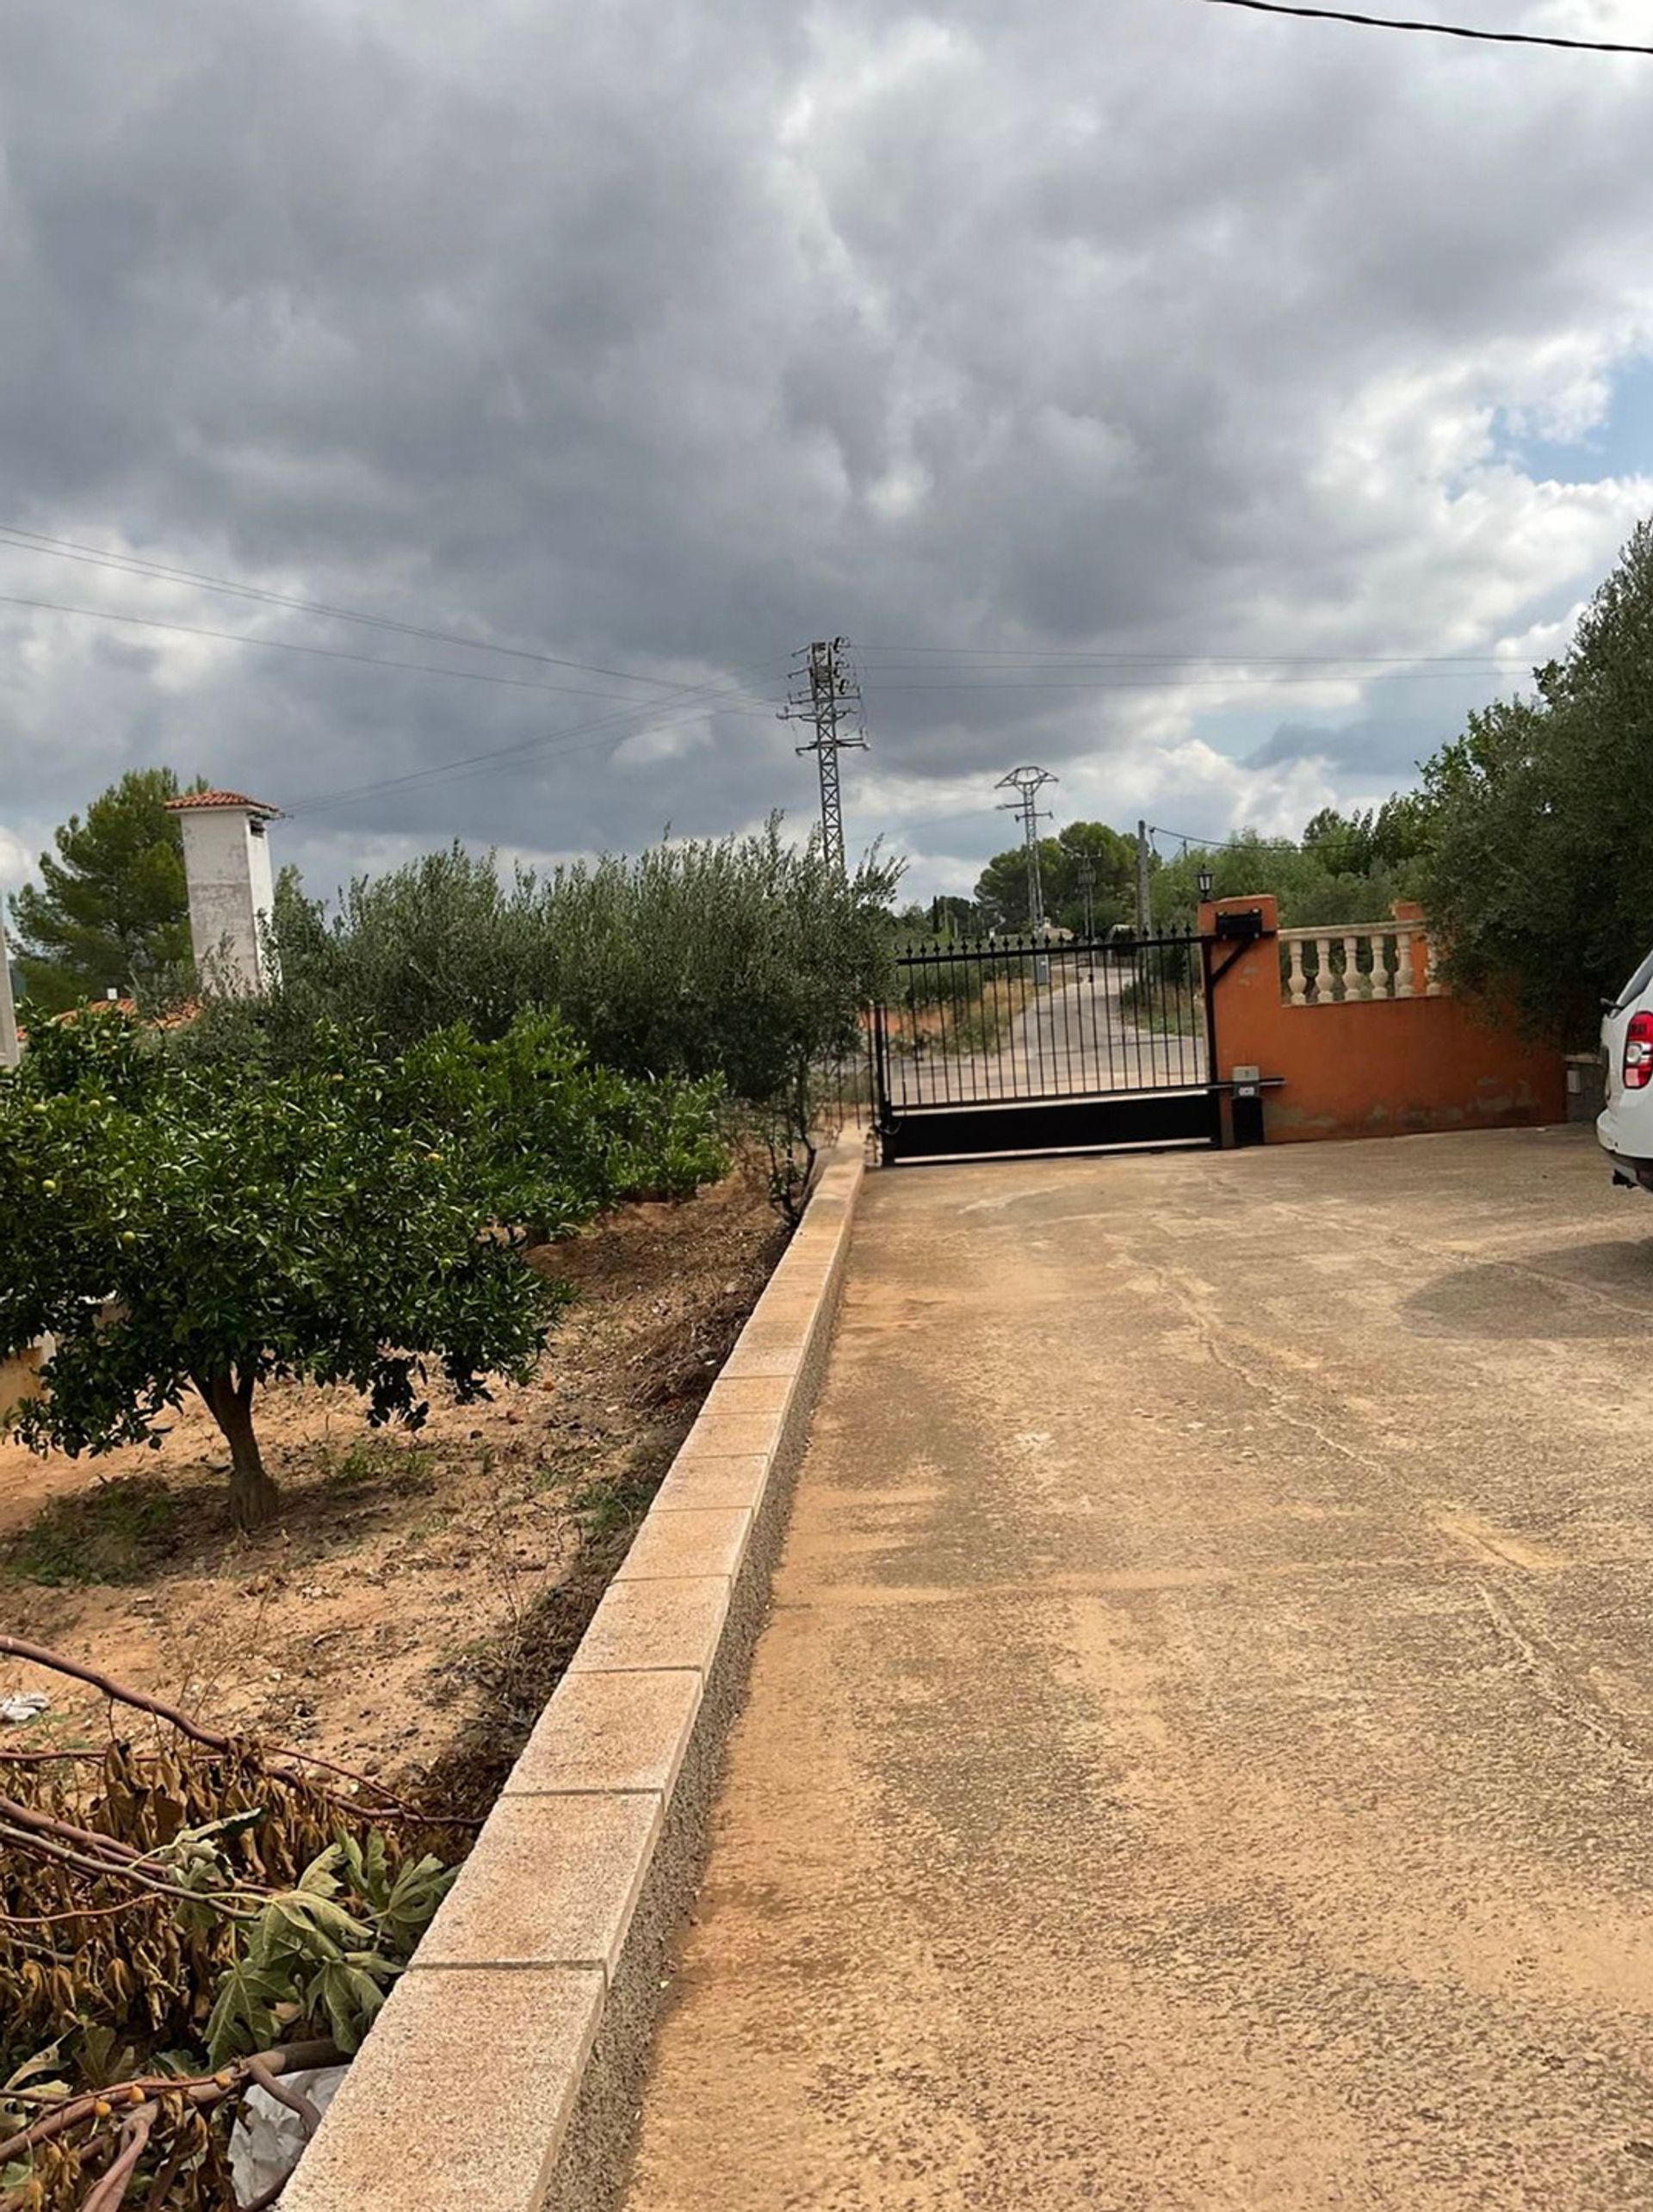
9,1047
825,691
1087,892
1027,783
1144,894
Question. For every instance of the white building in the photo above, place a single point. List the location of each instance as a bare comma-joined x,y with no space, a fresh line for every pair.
8,1011
232,889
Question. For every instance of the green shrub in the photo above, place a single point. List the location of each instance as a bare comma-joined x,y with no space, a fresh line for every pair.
549,1140
743,961
210,1223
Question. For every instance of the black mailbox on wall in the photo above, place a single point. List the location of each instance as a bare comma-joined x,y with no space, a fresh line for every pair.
1245,924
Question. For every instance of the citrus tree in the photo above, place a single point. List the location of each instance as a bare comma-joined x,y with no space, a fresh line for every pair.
177,1226
551,1139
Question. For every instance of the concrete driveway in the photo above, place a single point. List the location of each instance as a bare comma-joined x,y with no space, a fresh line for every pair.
1200,1753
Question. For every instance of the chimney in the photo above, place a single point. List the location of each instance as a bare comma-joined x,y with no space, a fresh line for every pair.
232,893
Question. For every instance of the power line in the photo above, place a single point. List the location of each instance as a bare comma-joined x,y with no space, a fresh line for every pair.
461,769
1177,683
1079,654
912,821
633,710
477,675
1437,30
137,565
1186,839
550,741
322,652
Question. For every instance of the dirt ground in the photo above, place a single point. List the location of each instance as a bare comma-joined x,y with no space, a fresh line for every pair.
400,1607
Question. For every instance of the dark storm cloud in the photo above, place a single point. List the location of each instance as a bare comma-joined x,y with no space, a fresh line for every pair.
668,339
1383,748
1374,750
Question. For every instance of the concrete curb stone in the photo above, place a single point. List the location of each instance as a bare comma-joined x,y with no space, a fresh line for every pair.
505,2069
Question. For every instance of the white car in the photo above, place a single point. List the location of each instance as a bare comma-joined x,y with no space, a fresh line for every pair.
1624,1125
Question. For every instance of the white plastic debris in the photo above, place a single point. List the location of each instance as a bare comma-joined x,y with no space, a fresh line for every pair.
267,2140
17,1706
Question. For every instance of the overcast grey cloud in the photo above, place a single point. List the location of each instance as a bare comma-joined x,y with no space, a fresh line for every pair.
665,340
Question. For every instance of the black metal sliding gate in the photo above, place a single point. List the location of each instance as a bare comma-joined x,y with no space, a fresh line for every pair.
1039,1045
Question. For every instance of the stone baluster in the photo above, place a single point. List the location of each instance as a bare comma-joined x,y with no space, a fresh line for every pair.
1326,987
1432,986
1404,941
1296,982
1380,985
1351,968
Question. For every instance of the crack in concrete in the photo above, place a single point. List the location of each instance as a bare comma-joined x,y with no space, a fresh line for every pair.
1574,1700
1182,1295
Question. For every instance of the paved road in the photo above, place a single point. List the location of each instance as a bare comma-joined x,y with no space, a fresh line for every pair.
1200,1755
1075,1036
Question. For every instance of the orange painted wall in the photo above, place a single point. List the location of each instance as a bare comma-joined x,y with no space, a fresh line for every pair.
1377,1068
20,1378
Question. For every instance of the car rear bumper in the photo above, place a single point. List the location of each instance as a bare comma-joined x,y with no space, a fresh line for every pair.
1628,1171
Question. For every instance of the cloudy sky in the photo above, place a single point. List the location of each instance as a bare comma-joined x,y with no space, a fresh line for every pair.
1208,407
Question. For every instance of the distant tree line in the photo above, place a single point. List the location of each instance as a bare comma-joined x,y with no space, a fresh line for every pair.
1335,872
1344,867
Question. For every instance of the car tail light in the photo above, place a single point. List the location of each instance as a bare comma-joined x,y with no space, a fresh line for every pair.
1638,1052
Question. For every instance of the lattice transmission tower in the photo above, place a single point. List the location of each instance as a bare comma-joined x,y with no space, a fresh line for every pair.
1027,783
826,691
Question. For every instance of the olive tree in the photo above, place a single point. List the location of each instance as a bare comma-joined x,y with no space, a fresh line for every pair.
744,961
1541,830
732,957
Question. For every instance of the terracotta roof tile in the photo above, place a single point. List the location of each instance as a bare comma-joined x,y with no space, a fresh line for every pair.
175,1018
192,800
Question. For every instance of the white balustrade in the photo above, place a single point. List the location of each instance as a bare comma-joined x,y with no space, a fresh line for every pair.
1375,960
1404,973
1351,968
1298,985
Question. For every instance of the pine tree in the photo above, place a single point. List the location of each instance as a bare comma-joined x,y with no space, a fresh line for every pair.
111,909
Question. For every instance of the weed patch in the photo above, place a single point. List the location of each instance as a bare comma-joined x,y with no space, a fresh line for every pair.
612,1502
120,1531
374,1460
